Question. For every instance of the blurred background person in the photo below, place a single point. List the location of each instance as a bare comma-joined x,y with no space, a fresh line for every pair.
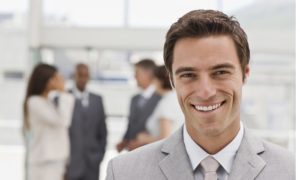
46,124
141,105
167,116
88,131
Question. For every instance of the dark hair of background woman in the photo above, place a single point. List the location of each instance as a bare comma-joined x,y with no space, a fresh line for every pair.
37,83
162,75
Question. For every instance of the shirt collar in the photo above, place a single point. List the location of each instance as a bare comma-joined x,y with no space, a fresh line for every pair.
147,93
225,157
82,95
79,94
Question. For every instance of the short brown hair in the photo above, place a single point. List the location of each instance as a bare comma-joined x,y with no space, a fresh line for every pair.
147,64
204,23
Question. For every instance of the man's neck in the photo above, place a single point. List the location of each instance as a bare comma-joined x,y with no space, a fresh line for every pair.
214,143
145,87
80,89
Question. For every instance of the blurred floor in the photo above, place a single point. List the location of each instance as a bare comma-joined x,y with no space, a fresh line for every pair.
11,162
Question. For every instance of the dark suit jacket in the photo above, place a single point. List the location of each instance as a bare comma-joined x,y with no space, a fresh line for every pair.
139,115
88,138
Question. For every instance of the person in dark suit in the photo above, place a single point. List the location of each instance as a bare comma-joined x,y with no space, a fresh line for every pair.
88,130
141,106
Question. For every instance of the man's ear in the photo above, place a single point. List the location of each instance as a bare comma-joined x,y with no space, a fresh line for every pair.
246,73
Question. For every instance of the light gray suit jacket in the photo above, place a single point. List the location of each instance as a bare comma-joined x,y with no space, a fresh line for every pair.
168,159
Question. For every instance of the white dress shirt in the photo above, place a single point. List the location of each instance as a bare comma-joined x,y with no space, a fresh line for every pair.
82,95
147,93
225,157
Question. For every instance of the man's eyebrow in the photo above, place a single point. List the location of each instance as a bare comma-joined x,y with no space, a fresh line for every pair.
192,69
184,69
223,66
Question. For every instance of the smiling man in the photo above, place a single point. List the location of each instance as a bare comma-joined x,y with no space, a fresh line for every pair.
208,80
207,55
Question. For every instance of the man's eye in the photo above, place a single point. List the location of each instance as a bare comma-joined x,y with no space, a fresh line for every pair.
221,72
187,75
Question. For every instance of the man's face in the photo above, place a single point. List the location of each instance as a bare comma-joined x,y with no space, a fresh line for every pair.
208,80
143,77
82,77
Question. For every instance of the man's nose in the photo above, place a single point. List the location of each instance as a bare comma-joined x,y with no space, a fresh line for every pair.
205,88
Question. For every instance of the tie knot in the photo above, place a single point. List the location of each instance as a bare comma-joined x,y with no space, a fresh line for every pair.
209,164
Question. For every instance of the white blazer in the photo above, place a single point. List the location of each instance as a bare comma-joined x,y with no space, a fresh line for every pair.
48,136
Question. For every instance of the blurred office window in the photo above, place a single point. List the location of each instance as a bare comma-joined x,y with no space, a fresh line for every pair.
13,56
233,5
269,96
13,13
268,14
158,13
268,109
156,56
127,13
13,26
87,13
105,65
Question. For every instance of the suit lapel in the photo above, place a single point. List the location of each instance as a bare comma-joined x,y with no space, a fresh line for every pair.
176,164
247,164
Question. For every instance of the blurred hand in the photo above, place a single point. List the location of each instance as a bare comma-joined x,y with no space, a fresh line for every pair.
142,137
121,145
60,82
133,144
56,83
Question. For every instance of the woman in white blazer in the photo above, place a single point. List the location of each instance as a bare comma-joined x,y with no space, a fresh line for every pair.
46,125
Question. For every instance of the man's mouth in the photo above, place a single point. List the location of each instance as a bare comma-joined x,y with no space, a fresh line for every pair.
208,108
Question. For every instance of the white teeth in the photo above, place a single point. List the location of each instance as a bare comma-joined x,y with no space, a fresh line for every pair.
208,108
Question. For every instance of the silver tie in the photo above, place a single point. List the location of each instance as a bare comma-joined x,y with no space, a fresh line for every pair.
210,166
